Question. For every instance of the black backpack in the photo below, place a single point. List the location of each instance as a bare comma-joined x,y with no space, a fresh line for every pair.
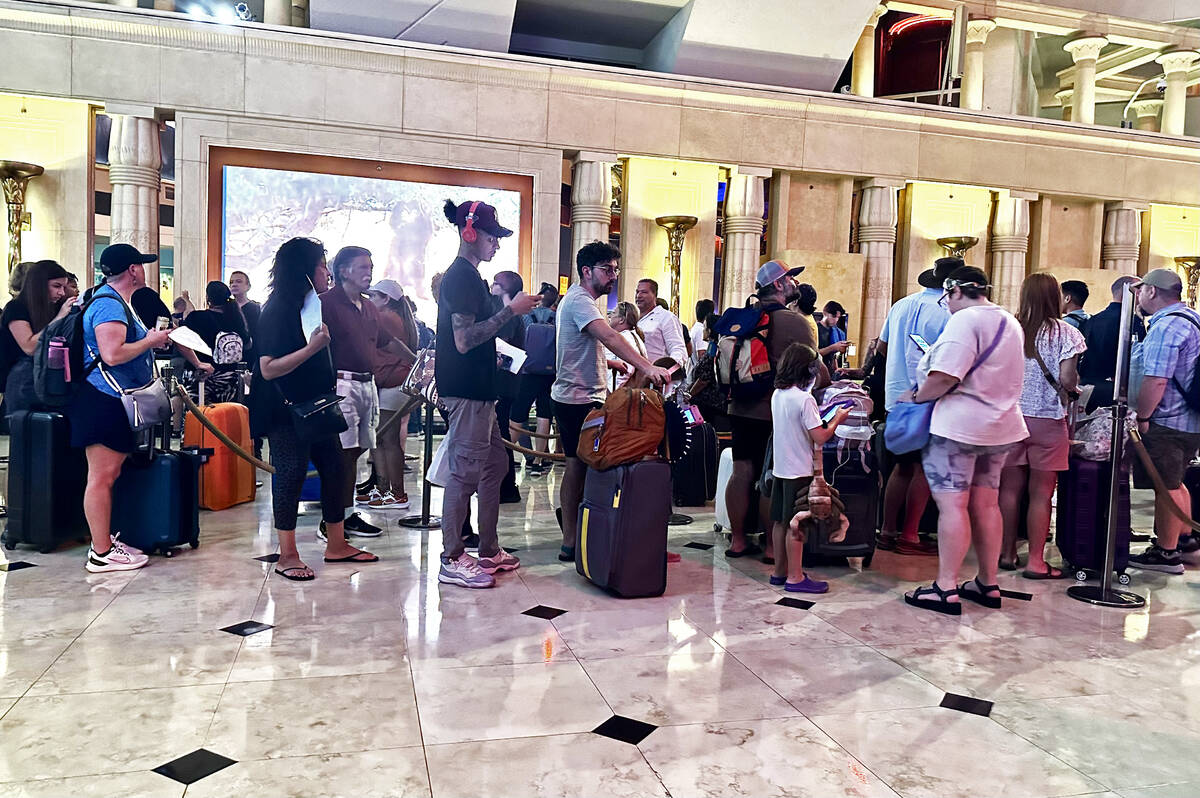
1191,394
53,384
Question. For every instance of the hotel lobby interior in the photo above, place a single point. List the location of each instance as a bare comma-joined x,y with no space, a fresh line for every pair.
1027,137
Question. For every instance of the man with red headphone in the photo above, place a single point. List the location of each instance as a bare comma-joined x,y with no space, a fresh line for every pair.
465,372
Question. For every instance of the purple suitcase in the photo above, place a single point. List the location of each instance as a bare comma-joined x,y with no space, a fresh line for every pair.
1082,519
622,540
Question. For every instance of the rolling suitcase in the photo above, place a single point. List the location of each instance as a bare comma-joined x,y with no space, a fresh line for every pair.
853,471
1081,523
724,472
694,478
225,479
156,499
622,541
46,478
1191,481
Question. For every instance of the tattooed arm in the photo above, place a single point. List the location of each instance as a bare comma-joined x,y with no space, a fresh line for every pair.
469,333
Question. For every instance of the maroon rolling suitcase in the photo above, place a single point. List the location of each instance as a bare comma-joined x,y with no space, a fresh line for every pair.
1082,519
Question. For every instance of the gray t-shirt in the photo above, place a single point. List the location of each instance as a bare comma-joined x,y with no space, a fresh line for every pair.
579,357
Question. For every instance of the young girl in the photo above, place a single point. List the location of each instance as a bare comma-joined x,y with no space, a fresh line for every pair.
796,430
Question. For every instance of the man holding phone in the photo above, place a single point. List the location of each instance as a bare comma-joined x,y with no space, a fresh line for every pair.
913,324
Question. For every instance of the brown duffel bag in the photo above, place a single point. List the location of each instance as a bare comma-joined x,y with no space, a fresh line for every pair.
629,428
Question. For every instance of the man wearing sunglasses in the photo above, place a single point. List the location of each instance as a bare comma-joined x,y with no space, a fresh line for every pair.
579,384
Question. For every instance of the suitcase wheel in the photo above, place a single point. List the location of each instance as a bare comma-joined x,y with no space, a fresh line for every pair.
168,552
867,560
1082,575
195,544
10,544
1123,579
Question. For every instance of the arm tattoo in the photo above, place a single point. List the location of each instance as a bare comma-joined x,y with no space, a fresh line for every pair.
469,333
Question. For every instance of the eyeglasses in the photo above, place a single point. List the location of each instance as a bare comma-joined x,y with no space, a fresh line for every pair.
612,271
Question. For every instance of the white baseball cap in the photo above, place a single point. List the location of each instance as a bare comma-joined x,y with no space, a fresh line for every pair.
389,288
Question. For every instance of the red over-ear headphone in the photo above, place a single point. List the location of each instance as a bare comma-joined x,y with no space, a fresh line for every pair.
469,234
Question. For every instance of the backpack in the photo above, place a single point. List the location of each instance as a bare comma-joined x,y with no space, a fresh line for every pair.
628,428
227,349
59,370
742,364
540,344
1191,394
857,425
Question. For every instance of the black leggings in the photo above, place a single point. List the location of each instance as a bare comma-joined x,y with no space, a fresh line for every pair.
291,457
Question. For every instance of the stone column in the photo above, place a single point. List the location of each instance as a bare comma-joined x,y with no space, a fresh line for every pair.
742,230
277,12
1065,98
862,79
1147,114
971,95
134,163
1010,246
1119,248
1175,64
876,235
591,200
1084,52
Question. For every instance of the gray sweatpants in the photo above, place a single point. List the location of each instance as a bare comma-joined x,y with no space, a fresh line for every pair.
477,463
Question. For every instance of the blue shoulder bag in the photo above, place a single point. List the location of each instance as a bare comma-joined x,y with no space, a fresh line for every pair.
907,426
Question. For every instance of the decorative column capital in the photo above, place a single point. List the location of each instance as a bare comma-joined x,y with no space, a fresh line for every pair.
1125,205
1177,60
876,15
1147,107
588,156
978,30
1085,48
1064,97
1010,243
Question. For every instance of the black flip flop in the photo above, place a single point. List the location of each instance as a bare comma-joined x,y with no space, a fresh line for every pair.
980,594
356,557
750,550
1028,574
940,604
284,573
1008,565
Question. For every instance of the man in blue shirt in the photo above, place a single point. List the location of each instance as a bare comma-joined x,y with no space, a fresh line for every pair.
1169,424
918,314
1075,296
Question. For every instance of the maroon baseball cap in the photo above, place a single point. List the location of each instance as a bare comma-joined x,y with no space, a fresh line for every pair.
485,219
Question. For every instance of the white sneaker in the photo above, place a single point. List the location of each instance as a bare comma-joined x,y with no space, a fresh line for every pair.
118,558
126,546
381,501
501,561
464,572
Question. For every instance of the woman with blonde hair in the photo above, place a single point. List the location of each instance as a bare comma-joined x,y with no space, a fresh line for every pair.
624,319
1052,350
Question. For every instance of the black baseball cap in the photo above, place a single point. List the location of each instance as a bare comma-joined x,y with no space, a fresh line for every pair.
117,258
485,219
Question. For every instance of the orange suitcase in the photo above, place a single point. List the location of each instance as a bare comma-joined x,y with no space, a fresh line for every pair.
226,479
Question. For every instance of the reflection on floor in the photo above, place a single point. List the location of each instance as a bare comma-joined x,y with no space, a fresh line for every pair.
375,681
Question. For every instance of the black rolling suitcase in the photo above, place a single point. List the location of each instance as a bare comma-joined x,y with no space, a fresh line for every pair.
857,477
46,478
1191,481
1081,519
621,544
156,500
694,478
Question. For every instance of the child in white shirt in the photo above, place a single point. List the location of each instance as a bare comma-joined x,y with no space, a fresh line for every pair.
796,429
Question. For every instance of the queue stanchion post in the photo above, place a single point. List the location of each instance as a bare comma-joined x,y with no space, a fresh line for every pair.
1104,594
424,520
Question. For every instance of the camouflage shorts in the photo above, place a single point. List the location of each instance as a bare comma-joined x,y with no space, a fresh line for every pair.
953,467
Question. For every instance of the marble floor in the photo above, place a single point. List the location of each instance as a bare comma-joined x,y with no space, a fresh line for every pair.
375,681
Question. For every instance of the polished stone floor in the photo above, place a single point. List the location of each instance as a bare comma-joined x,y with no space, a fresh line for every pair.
376,681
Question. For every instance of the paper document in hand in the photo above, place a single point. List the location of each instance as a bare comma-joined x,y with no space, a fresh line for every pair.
310,314
516,356
186,336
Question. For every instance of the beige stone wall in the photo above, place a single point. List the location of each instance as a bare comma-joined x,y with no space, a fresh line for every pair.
1065,233
815,213
54,135
930,211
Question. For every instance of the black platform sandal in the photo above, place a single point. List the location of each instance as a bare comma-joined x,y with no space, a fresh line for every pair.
980,594
941,604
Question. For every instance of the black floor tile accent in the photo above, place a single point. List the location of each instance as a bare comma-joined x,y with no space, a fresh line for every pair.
247,628
1016,594
510,551
800,604
626,730
542,611
695,545
269,557
962,703
16,565
192,767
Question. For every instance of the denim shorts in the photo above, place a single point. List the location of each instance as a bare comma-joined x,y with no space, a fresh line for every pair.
953,467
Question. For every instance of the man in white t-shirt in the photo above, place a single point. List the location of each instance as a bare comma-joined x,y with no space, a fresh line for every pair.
972,373
580,368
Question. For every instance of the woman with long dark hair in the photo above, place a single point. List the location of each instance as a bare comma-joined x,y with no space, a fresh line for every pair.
1052,349
224,329
292,370
25,316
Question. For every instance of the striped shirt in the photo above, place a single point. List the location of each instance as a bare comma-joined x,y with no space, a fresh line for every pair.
1170,350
